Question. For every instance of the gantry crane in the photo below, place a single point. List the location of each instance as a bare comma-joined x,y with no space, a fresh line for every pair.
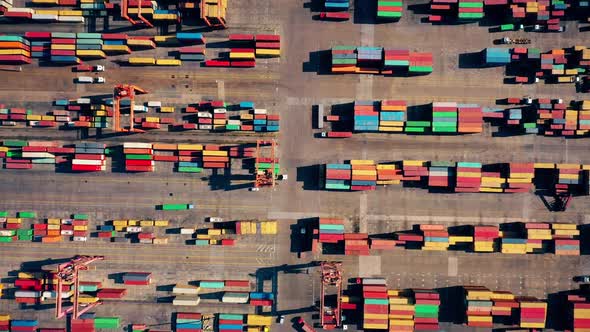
68,272
330,315
217,20
125,13
265,177
125,91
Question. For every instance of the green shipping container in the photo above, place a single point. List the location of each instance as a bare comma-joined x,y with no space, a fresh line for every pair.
26,214
390,3
344,47
88,288
24,232
418,123
14,154
171,207
389,14
25,237
377,301
344,61
80,216
232,127
420,69
15,143
414,129
231,316
190,169
470,4
106,322
212,284
3,214
444,114
201,242
336,186
4,239
138,156
330,226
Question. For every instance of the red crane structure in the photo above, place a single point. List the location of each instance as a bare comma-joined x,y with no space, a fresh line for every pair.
265,176
125,91
125,13
330,315
69,272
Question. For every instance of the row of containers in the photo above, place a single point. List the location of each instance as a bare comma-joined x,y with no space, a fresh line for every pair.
92,157
188,294
379,60
34,288
244,50
76,228
72,48
77,325
508,238
542,116
222,322
458,177
548,14
560,65
216,116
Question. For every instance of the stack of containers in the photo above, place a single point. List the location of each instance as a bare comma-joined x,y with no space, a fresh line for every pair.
569,176
138,157
513,245
190,38
356,244
532,313
536,233
331,230
261,299
566,239
420,63
470,118
63,47
484,237
14,49
188,158
112,46
504,303
214,157
479,306
338,176
82,325
375,304
40,44
24,325
468,177
470,9
364,175
436,237
344,59
388,174
444,117
427,303
389,10
192,53
188,322
90,46
369,59
492,182
392,115
244,55
497,56
414,170
111,293
336,5
89,157
366,115
520,177
4,323
396,60
580,316
80,227
230,323
439,173
401,312
137,278
269,45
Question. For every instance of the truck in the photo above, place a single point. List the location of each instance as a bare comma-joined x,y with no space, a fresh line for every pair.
336,134
335,16
304,326
568,79
88,80
87,68
320,116
520,41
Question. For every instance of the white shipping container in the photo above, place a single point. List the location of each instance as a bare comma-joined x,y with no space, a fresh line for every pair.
80,238
66,221
44,17
133,145
373,281
21,10
146,241
204,115
37,155
67,232
9,123
444,104
187,230
140,108
21,293
53,227
72,19
6,233
234,122
85,79
154,103
160,241
188,301
186,289
61,118
83,101
259,111
87,162
205,126
133,229
33,123
219,110
233,297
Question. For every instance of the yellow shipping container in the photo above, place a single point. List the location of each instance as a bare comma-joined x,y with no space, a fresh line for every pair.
81,228
392,129
214,231
403,321
246,116
214,153
166,109
582,313
375,316
161,223
203,237
511,180
391,123
142,61
364,172
544,165
490,190
362,162
392,292
479,318
15,51
569,176
564,226
219,121
53,227
30,275
119,222
33,117
63,47
53,221
47,117
87,299
140,42
265,52
152,119
457,239
70,13
502,296
568,166
522,175
492,179
132,222
160,240
375,326
116,48
144,11
533,305
47,12
13,220
146,223
413,162
388,181
119,228
196,147
398,300
268,227
241,55
3,149
533,325
259,320
404,307
4,318
469,174
168,62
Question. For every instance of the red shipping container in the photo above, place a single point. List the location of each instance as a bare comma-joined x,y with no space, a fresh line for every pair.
237,283
136,283
166,158
375,308
37,35
268,38
133,162
114,36
217,63
263,303
188,315
105,234
214,165
241,37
